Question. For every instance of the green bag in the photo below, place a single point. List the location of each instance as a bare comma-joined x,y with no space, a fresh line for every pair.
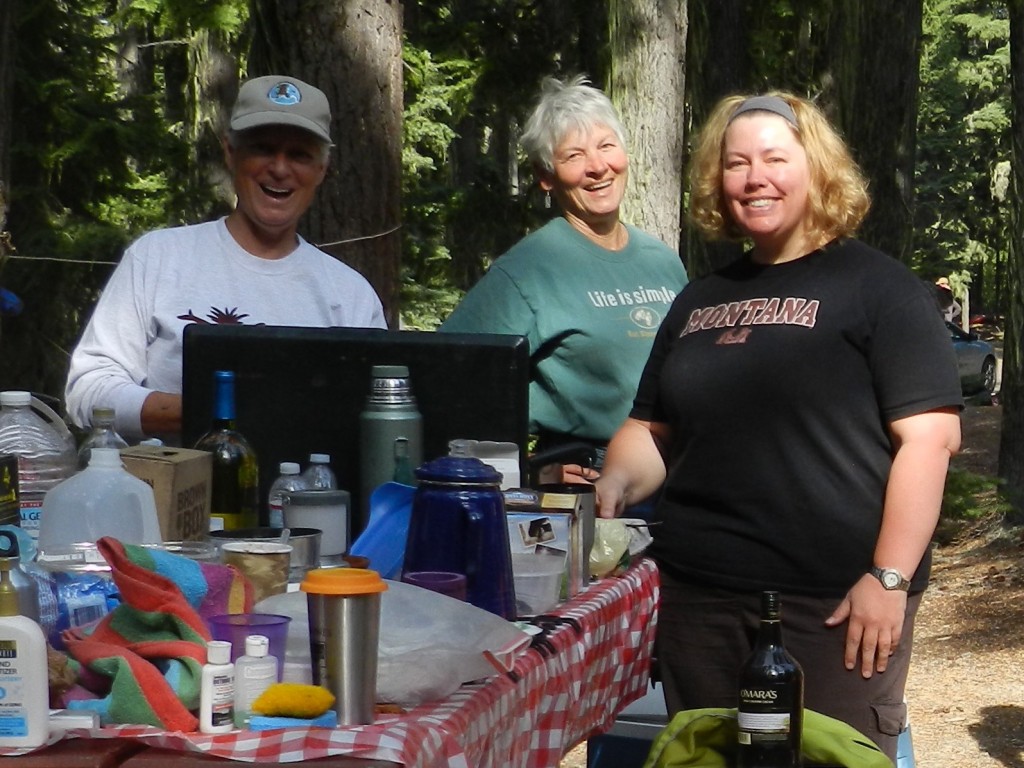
706,738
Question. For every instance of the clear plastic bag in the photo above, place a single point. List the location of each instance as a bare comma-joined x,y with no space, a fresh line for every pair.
429,645
617,541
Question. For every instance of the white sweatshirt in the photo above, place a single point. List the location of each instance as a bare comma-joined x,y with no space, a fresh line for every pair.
169,278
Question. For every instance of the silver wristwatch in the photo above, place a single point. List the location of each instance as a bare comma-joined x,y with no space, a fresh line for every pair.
890,578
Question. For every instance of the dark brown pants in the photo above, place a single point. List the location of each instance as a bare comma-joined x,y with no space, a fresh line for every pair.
704,635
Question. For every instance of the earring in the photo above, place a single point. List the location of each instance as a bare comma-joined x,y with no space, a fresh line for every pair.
547,199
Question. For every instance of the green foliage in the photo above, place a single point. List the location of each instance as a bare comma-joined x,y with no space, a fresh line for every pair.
437,95
963,145
93,164
183,17
970,496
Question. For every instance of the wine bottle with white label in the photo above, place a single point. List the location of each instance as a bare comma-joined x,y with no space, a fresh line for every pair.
771,697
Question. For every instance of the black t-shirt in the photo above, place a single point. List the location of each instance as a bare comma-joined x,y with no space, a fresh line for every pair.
778,383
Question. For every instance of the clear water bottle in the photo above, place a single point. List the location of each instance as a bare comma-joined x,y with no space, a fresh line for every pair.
289,479
102,435
45,450
319,473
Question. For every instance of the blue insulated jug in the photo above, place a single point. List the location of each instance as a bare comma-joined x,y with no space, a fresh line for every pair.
458,525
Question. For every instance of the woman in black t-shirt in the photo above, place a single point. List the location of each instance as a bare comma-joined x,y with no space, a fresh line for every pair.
800,407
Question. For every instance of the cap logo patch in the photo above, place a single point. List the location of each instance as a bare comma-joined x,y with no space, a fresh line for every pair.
285,95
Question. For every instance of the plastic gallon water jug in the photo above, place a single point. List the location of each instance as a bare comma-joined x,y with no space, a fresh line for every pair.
44,446
104,499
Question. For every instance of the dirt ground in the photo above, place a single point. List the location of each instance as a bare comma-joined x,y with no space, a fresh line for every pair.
966,686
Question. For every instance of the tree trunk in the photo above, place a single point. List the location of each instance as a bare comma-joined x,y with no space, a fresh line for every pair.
1011,446
7,8
718,64
353,52
877,48
648,42
6,86
211,89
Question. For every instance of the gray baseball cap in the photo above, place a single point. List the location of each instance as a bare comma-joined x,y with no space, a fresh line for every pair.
282,100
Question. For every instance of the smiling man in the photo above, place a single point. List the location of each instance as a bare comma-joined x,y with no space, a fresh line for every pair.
251,267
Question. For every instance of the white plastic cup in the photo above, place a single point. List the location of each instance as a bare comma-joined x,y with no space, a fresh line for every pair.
325,509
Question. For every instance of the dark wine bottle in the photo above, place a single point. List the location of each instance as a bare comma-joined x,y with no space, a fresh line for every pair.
771,697
235,481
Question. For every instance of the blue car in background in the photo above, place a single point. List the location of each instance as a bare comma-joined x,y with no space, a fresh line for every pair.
975,360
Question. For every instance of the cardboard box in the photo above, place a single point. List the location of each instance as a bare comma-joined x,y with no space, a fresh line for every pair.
180,479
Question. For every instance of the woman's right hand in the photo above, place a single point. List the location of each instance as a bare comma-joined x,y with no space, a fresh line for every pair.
633,467
611,496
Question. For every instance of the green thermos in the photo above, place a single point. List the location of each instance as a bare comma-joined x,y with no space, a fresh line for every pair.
390,434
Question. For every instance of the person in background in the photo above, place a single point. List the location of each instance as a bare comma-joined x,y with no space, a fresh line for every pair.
587,290
948,305
251,267
800,406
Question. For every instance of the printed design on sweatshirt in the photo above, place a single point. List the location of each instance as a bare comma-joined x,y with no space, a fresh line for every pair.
737,319
217,317
642,299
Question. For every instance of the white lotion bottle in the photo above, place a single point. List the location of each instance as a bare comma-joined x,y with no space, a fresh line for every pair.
217,691
24,688
254,673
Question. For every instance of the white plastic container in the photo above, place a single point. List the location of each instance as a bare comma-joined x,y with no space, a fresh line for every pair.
538,580
326,510
104,499
44,446
217,689
255,671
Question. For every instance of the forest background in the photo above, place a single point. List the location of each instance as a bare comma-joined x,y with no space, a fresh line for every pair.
111,113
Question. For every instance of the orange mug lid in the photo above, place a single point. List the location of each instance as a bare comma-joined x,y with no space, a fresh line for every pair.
342,581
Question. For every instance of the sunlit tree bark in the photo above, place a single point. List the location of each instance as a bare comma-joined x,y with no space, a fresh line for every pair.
353,52
648,57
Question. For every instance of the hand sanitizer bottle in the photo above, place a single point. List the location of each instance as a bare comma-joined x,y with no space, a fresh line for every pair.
24,690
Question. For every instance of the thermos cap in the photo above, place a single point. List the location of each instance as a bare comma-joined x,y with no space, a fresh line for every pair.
390,385
343,581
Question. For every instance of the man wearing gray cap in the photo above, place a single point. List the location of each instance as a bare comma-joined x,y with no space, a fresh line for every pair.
250,267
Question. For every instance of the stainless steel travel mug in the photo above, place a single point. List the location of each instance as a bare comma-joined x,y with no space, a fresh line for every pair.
344,632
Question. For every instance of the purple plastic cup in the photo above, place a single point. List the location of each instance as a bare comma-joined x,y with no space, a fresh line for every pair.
445,582
235,627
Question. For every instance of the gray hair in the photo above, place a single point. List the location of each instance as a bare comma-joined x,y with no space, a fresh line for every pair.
564,107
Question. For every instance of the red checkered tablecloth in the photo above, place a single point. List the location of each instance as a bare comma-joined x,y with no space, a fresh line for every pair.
558,693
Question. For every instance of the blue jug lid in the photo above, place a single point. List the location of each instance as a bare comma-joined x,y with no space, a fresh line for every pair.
458,469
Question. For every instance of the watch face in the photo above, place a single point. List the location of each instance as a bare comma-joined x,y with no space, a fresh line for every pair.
890,579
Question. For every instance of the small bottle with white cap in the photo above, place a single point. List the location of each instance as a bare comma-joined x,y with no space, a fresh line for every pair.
217,689
255,671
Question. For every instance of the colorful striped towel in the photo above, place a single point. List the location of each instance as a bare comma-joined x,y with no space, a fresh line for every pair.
149,651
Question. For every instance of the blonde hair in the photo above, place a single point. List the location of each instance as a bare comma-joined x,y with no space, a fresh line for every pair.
837,196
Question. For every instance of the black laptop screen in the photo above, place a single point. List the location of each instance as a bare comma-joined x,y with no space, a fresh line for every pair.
301,390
